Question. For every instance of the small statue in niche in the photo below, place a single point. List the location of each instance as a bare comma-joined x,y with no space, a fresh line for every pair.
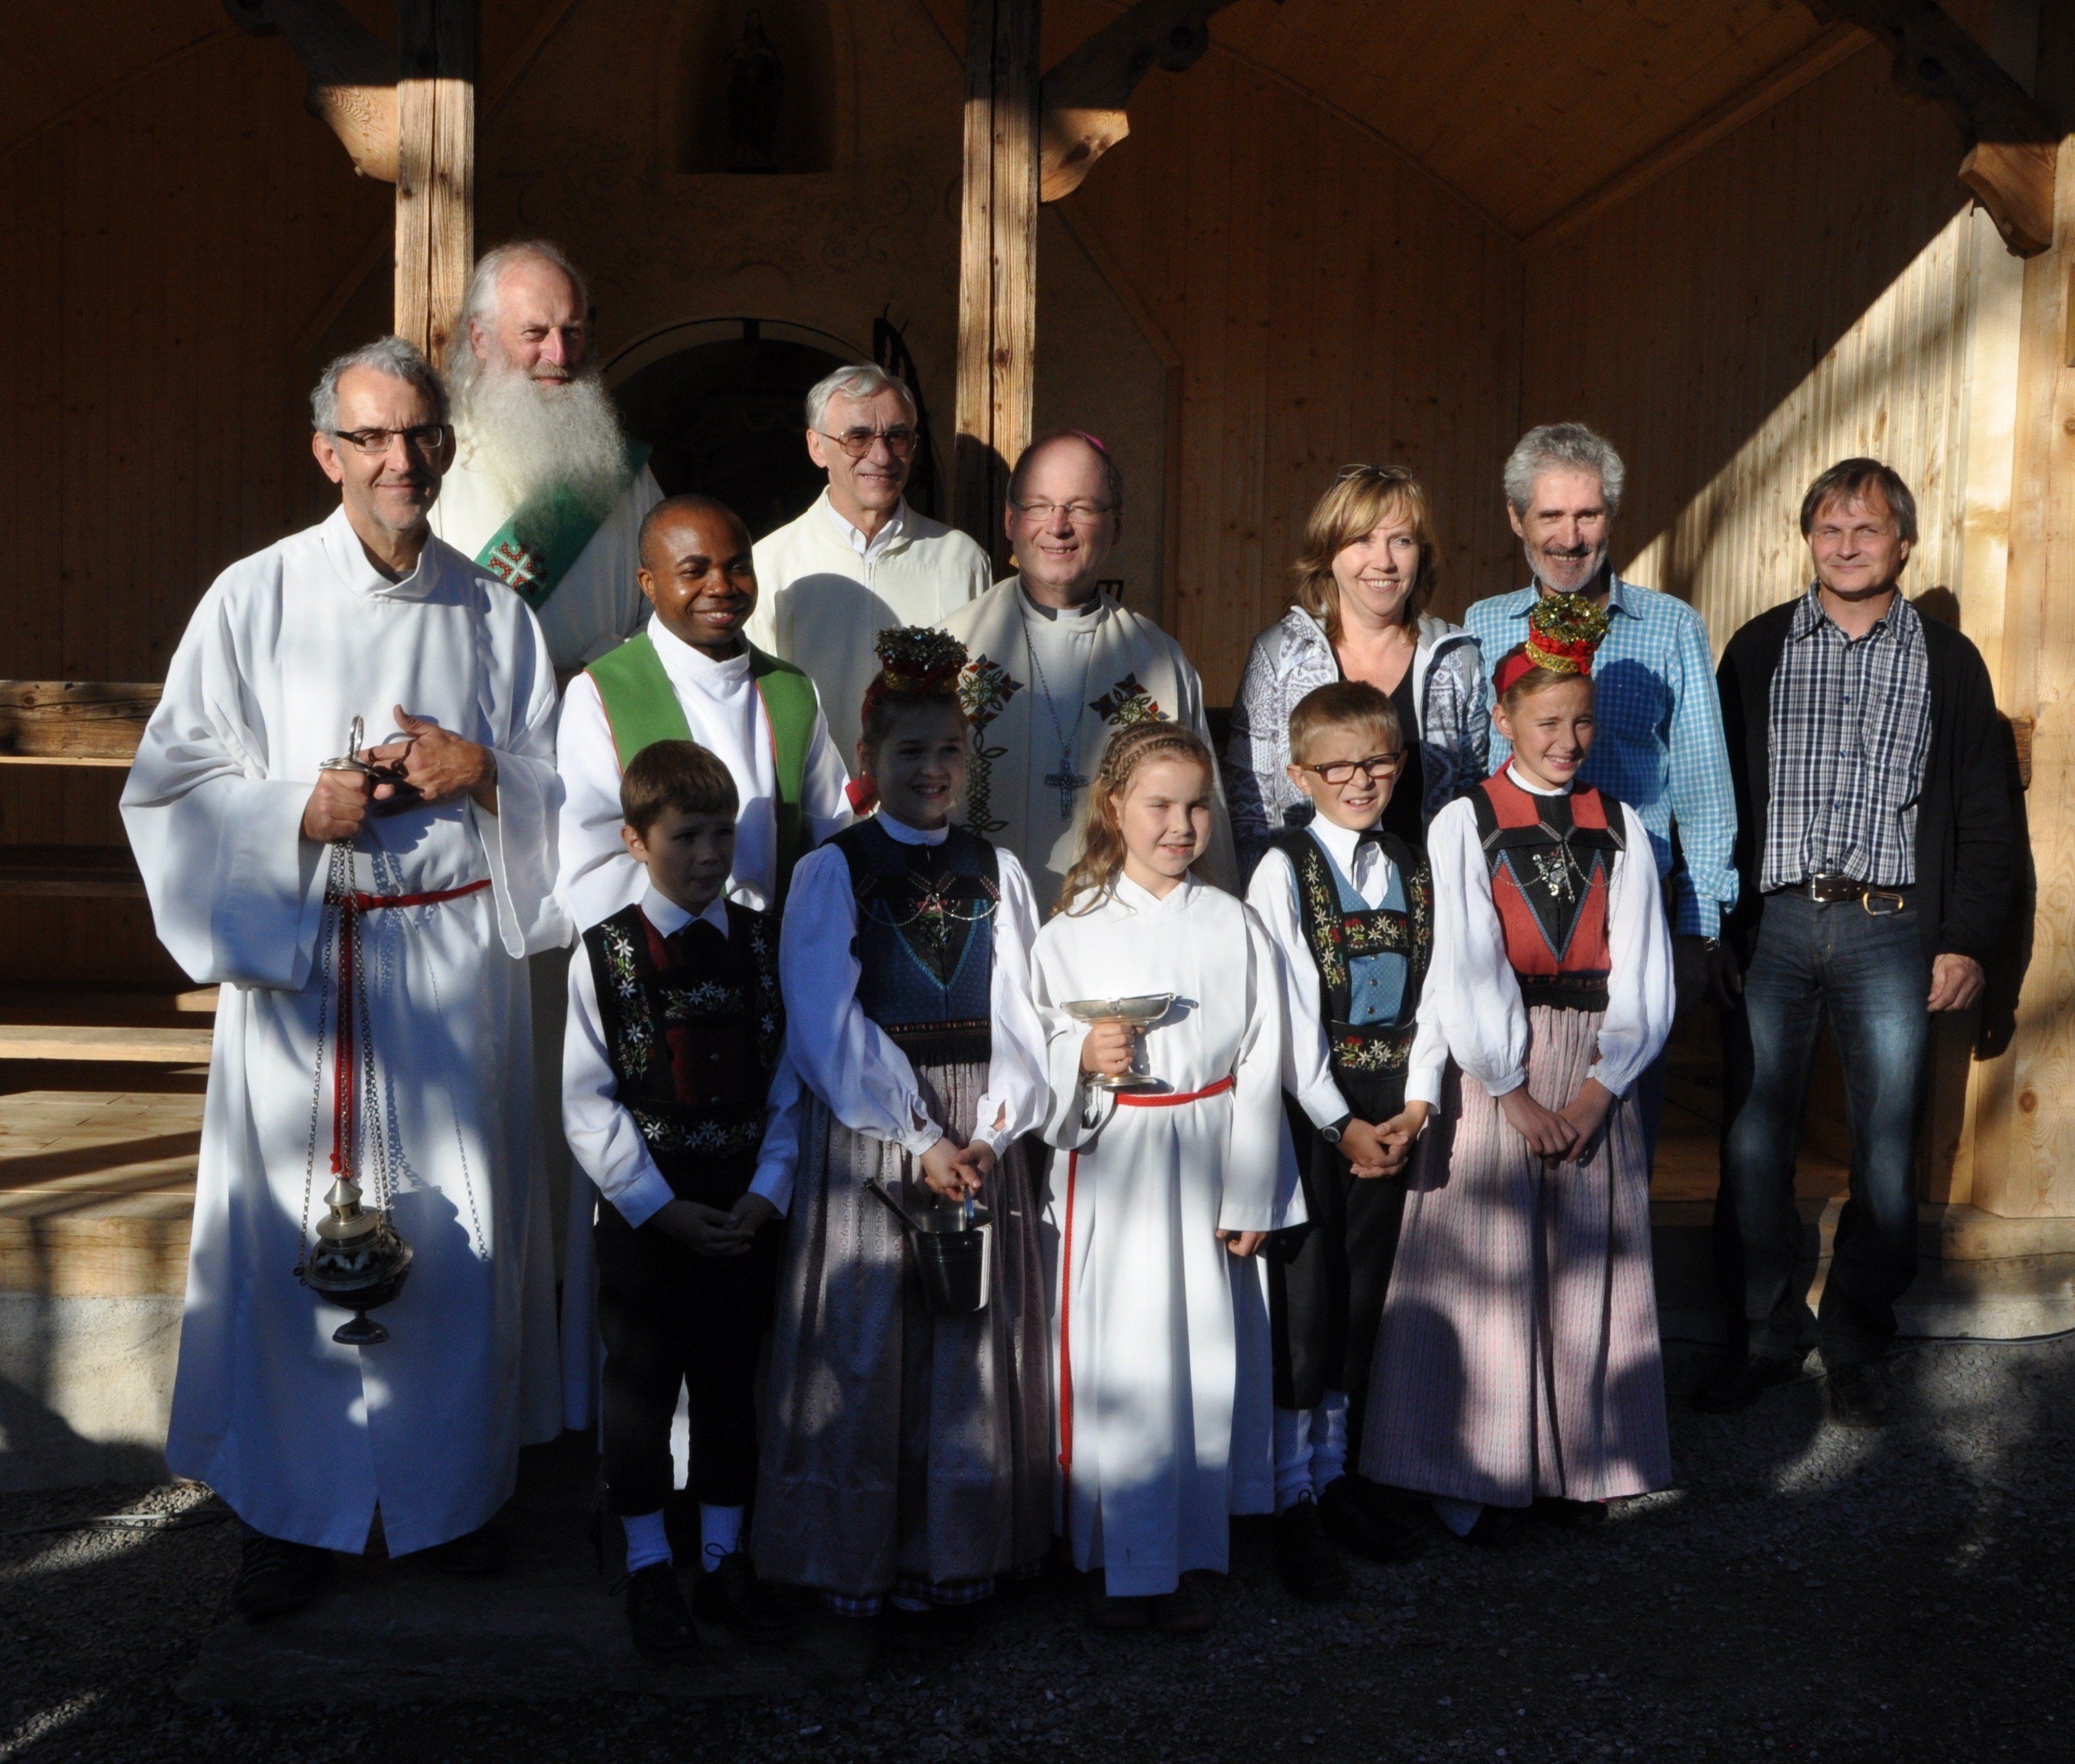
756,89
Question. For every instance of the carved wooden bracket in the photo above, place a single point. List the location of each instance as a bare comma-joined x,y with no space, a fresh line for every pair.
1082,99
352,74
2012,141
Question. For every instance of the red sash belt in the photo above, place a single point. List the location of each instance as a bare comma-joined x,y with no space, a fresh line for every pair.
344,1087
1169,1098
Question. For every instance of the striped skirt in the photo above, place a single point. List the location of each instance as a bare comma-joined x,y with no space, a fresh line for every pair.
898,1446
1519,1355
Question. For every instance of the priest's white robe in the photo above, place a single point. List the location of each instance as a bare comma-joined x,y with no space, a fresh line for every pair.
599,603
1105,667
823,595
303,1438
1160,1338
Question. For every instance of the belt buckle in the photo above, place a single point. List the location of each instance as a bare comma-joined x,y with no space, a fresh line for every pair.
1826,887
1896,903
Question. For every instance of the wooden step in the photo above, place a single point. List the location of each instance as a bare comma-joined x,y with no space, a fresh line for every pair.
141,1006
72,871
146,1044
81,723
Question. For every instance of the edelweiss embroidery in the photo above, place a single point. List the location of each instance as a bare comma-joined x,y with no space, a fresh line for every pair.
637,1042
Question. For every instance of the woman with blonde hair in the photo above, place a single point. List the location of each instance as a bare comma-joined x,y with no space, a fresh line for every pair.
1364,581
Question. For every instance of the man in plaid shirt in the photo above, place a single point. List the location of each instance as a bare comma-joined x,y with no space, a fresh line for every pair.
1877,851
1658,746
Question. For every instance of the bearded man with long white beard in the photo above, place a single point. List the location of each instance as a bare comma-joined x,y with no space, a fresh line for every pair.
546,494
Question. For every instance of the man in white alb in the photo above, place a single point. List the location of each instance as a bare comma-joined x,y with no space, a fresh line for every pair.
279,876
860,558
545,491
1058,665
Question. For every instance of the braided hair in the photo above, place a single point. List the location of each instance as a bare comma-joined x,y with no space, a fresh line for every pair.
1100,861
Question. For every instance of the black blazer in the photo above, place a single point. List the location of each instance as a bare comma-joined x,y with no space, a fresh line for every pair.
1967,836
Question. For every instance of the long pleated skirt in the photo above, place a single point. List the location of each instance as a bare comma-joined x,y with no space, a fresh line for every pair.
1519,1355
898,1445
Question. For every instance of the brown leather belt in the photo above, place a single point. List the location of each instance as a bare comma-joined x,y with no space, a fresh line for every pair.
1829,890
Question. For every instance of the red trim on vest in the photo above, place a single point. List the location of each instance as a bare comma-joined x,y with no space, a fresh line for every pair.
1516,808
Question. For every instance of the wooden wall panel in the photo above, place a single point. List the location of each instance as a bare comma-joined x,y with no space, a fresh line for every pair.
1330,302
168,236
1801,292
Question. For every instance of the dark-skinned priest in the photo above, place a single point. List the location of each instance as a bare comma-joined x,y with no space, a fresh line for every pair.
367,902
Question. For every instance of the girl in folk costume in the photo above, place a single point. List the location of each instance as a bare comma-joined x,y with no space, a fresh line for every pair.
1162,1362
906,1453
1518,1361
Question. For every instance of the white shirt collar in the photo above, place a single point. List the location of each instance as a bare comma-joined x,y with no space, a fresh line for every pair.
1077,619
688,666
1530,786
1343,845
1142,900
908,835
855,539
341,545
661,911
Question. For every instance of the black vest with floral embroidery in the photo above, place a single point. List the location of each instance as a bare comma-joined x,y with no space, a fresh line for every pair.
692,1043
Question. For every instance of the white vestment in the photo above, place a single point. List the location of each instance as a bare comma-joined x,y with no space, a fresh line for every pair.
599,604
1160,1339
824,595
303,1437
725,713
1040,681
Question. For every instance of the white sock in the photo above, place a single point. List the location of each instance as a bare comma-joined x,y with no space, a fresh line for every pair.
1329,1440
720,1533
1458,1516
1293,1457
647,1542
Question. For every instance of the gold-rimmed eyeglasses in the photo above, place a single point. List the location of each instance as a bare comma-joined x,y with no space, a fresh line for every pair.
1080,514
857,442
1337,772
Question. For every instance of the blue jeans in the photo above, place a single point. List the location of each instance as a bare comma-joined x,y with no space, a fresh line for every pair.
1870,975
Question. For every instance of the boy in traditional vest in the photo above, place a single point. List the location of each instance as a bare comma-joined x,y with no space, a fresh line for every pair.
680,1106
694,676
1351,907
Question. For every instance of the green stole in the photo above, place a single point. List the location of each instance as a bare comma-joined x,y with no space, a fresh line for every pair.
642,708
533,550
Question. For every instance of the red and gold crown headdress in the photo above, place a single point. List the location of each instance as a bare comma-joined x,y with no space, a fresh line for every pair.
916,662
1562,632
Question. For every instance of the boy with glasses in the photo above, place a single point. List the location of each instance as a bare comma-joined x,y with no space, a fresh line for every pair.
860,559
1351,907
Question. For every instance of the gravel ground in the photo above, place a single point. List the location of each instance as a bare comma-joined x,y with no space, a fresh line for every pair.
1805,1593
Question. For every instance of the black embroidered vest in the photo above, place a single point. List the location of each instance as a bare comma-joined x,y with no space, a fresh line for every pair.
925,940
693,1044
1356,946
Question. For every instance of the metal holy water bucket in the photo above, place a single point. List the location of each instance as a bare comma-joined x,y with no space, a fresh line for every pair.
952,1254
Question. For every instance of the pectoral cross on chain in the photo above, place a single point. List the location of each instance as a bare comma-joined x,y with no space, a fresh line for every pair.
1067,782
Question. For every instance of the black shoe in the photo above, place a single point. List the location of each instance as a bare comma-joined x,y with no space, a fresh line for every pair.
1311,1566
475,1556
1360,1516
655,1614
1858,1396
730,1593
1497,1528
275,1577
1736,1385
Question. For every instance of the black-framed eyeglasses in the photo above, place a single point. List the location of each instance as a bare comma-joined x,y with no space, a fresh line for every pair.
1377,765
425,440
900,439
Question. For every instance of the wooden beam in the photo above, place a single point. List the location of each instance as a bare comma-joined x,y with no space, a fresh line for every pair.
436,43
997,263
73,721
1083,98
2012,139
353,77
1839,44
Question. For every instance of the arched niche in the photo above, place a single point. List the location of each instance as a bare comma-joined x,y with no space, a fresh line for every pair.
758,87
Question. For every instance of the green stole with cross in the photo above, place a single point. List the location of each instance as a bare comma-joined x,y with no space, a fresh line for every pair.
533,550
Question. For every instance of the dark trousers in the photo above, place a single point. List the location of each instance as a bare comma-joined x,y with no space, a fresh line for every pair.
1327,1279
1870,976
671,1318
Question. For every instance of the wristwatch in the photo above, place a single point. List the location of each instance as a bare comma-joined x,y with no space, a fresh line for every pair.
1332,1131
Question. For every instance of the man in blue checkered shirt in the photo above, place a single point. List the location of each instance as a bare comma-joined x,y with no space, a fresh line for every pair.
1658,746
